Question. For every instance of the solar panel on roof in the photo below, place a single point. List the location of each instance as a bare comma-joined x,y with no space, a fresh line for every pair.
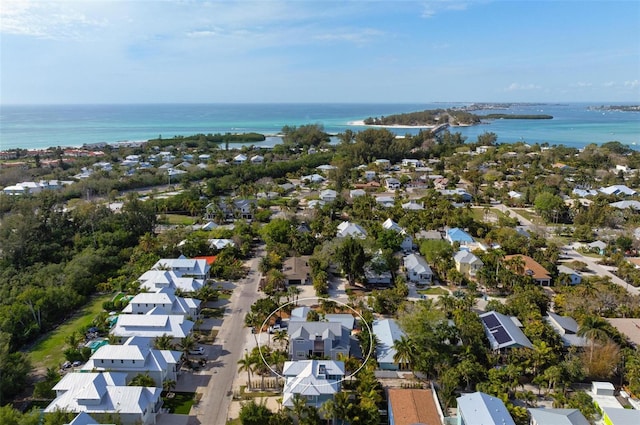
501,336
491,321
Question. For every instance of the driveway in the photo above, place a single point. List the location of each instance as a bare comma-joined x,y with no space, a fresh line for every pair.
228,348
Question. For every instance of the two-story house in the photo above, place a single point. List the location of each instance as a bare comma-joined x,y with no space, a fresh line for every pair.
318,339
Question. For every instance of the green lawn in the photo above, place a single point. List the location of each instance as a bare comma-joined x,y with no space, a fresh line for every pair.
180,403
532,217
48,351
185,220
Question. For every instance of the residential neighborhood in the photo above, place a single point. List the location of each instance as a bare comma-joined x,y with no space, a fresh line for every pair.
474,283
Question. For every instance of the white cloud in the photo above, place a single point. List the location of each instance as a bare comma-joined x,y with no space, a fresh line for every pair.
520,87
582,84
360,36
43,19
609,84
633,84
432,8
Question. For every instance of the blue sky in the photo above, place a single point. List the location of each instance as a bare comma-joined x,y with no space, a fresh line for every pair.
188,51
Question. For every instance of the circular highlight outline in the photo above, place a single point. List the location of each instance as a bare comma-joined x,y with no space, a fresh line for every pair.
371,340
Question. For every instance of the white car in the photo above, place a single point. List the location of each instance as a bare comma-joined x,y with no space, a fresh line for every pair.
197,352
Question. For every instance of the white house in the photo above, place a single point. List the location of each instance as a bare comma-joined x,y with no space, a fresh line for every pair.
385,164
408,162
417,269
257,159
386,201
618,189
567,328
239,159
134,360
328,195
154,280
412,205
315,380
407,242
355,193
574,276
164,301
482,409
183,266
346,229
152,325
312,178
392,183
388,332
106,393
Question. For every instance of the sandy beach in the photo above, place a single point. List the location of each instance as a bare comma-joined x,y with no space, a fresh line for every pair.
361,123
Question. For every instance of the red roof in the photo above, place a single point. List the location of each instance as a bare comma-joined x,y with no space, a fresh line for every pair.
210,258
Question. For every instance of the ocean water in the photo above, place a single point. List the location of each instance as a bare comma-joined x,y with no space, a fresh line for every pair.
38,126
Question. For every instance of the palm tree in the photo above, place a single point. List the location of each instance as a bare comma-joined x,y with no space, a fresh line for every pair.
164,342
282,338
405,352
141,380
168,385
337,408
187,344
246,364
299,406
594,329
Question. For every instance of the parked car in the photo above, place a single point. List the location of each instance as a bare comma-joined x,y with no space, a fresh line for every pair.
197,352
76,363
66,365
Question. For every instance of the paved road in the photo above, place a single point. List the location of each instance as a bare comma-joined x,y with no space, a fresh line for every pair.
228,348
600,270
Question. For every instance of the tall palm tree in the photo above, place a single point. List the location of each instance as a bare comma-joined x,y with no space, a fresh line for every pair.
595,330
405,352
246,364
337,408
282,338
187,344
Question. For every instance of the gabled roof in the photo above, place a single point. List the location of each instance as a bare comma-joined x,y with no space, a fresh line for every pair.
622,416
466,257
624,205
309,331
392,225
347,228
388,332
531,267
458,235
558,416
502,331
306,378
413,406
482,409
152,325
617,189
83,419
417,264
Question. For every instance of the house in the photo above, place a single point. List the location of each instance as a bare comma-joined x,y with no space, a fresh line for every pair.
106,393
597,246
413,406
482,409
239,159
377,277
412,205
355,193
154,280
346,320
457,193
614,416
316,203
392,183
603,395
541,416
132,360
388,332
164,301
408,162
386,201
626,205
296,270
567,328
204,157
574,277
312,178
318,339
617,190
369,175
219,244
528,267
407,241
584,192
458,235
183,266
467,263
257,159
348,229
152,325
83,419
503,331
417,269
328,195
429,235
515,195
326,167
317,381
384,164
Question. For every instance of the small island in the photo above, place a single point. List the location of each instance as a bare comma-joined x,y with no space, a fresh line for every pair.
622,108
439,117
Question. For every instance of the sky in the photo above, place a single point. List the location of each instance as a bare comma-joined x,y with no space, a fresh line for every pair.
308,51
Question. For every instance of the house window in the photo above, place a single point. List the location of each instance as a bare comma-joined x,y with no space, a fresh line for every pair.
121,361
112,361
300,354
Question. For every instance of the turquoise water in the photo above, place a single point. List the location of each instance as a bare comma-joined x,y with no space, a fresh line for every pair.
31,126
